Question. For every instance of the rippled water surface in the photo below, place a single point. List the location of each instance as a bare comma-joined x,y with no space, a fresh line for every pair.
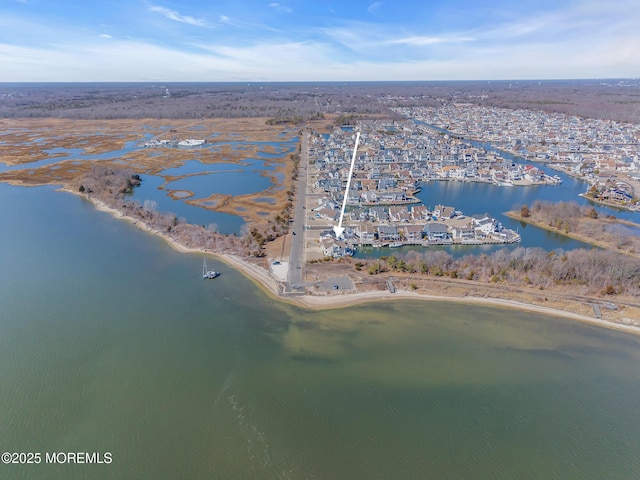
111,342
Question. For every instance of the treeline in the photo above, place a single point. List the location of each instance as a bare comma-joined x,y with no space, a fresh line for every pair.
136,101
113,187
583,222
585,271
292,117
283,103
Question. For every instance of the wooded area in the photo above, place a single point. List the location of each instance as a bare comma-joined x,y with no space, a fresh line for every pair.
582,223
113,186
290,101
588,272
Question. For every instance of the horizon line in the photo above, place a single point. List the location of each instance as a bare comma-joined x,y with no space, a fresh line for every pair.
488,80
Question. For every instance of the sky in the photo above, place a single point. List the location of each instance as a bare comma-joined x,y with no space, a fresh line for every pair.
316,40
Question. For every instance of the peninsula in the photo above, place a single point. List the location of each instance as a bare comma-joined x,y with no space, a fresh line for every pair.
286,243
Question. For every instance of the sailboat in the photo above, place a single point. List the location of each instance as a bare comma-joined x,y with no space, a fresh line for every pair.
208,273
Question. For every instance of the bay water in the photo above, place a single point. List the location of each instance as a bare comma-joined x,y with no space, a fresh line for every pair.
110,341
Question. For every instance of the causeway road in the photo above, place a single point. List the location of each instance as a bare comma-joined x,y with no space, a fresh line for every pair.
296,276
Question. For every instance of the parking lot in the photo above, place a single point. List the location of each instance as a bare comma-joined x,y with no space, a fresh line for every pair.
343,283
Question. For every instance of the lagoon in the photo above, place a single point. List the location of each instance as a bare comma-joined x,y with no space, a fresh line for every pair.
151,190
111,342
485,198
256,173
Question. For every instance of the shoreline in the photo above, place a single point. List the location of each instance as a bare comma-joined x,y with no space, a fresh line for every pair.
594,243
263,279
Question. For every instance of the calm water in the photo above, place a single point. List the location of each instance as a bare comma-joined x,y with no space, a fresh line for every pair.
111,342
202,181
151,190
492,195
481,198
251,175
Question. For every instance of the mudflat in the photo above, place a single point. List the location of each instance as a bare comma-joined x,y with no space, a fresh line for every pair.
26,141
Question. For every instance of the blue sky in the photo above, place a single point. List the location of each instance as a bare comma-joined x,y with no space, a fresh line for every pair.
304,40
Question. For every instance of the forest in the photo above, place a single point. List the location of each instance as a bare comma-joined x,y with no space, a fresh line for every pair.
614,99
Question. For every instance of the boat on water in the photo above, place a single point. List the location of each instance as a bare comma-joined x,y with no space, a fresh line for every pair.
208,273
395,245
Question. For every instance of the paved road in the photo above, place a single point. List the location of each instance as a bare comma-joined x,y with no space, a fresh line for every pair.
295,277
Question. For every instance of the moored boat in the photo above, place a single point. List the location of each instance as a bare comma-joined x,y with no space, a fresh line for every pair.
207,274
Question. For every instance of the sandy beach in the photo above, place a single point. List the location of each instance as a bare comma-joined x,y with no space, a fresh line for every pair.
263,279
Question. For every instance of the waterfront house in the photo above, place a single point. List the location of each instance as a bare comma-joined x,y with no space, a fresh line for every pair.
369,197
392,197
399,214
444,213
483,224
437,232
388,233
358,214
378,214
191,142
464,233
419,212
366,232
412,233
334,248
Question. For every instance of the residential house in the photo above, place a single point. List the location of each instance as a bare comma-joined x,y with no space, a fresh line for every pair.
412,233
378,214
437,232
419,212
334,248
399,214
366,232
443,213
327,214
464,233
388,233
483,224
369,197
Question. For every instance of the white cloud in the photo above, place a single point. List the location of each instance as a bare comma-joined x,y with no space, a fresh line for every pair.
280,8
534,46
119,60
420,41
173,15
374,8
